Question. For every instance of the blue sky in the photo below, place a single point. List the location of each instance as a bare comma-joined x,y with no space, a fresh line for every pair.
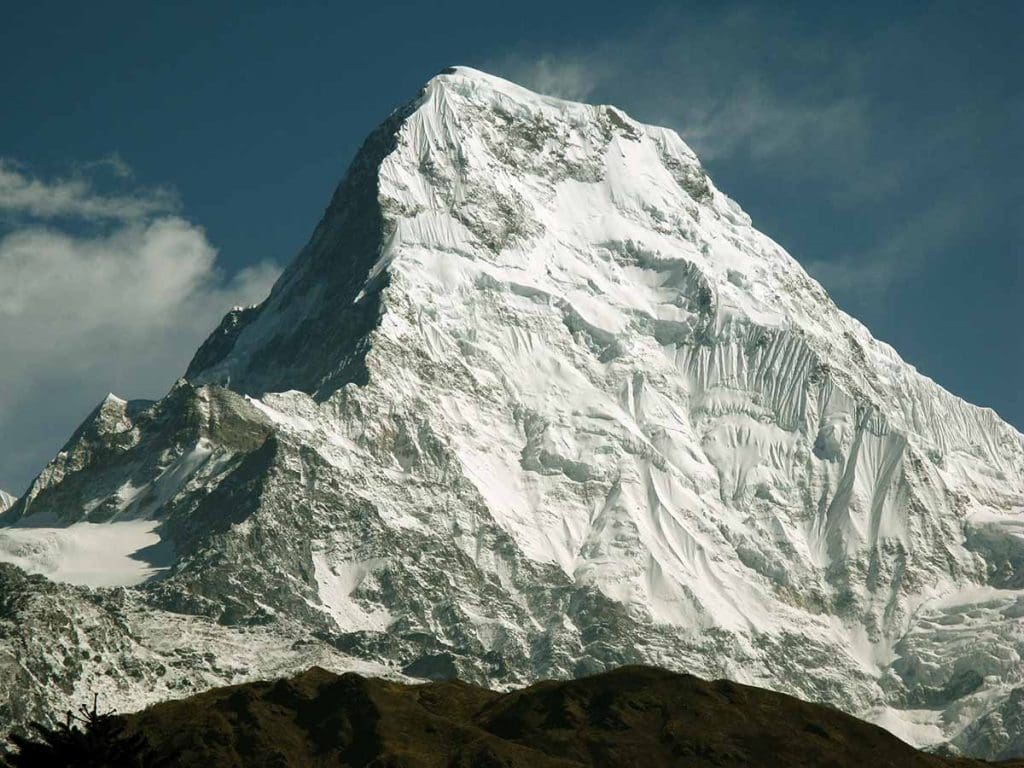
160,164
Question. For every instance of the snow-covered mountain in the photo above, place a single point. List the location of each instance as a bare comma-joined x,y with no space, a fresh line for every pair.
6,500
535,400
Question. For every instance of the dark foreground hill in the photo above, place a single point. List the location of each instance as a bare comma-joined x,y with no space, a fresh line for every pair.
634,716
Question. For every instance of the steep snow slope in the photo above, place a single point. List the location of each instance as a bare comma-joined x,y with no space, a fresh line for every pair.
6,500
536,400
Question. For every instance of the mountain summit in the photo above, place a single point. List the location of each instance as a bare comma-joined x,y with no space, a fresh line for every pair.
536,400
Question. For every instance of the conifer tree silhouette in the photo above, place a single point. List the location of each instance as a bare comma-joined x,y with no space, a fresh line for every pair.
86,739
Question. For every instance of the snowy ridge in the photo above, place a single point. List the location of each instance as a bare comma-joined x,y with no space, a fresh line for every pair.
6,500
537,399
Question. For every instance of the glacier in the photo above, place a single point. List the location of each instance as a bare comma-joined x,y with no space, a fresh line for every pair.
535,400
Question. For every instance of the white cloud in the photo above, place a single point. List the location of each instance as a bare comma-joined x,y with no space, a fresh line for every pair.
566,75
120,307
75,196
869,275
113,163
713,78
142,278
751,119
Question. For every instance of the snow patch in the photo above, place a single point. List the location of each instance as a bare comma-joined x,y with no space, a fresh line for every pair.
118,554
337,581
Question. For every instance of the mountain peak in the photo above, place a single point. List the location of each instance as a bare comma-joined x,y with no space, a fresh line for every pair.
467,134
535,400
469,80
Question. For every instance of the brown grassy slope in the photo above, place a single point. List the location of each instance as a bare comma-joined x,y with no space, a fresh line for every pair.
634,716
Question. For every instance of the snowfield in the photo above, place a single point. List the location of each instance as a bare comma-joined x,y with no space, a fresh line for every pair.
537,400
90,554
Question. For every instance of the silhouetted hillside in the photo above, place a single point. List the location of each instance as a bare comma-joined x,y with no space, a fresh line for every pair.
634,716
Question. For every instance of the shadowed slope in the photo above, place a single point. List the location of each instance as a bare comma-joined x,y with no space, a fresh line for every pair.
632,716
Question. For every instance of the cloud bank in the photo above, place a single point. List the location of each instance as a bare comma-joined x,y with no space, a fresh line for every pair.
98,292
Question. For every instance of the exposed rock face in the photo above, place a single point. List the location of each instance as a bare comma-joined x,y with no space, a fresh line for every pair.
537,400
